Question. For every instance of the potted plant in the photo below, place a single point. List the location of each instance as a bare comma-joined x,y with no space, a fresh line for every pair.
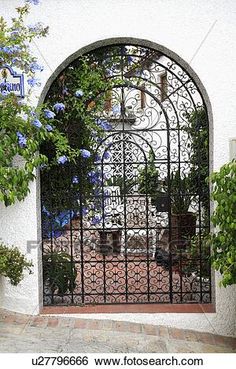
59,272
175,198
183,221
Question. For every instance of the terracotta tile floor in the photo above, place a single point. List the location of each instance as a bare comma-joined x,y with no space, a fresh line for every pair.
116,279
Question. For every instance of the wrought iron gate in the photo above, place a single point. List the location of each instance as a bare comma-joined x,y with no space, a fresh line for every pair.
147,243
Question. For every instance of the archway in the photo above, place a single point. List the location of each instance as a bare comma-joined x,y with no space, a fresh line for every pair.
140,237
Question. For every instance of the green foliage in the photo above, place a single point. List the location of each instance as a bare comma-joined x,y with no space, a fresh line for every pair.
18,34
59,272
18,161
183,187
224,219
148,179
13,264
197,129
180,193
150,184
125,187
196,258
18,164
79,124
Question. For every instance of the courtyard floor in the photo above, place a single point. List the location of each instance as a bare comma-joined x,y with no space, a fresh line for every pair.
47,334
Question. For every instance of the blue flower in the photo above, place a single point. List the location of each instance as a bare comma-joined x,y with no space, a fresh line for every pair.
37,27
49,128
107,155
130,59
62,159
94,177
59,107
79,93
35,66
49,114
97,192
96,219
99,139
33,113
34,2
109,72
5,93
116,109
37,123
75,180
25,117
97,158
103,124
15,32
85,153
84,211
106,126
16,60
10,49
34,82
43,166
22,140
107,193
44,210
65,91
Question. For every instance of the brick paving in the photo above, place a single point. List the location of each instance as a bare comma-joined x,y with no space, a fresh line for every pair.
25,333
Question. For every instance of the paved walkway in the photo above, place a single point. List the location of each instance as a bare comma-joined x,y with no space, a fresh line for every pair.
24,333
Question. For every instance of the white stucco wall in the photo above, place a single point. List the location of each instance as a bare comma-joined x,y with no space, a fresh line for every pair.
18,225
203,34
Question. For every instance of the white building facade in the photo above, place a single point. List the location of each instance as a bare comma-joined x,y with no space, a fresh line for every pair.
199,36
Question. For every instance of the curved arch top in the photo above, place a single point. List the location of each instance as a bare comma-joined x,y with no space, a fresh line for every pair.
132,41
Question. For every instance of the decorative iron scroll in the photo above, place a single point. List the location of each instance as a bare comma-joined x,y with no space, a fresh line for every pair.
149,244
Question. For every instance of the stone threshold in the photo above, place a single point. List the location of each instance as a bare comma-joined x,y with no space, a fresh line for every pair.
21,321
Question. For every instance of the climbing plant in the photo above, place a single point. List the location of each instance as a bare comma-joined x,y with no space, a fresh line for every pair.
79,120
23,128
223,242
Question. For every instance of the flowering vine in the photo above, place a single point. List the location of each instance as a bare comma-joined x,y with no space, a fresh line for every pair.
23,128
41,137
77,96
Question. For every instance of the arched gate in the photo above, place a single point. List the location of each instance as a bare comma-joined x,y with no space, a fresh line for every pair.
146,242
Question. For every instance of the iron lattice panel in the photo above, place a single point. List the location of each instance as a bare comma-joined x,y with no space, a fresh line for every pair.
142,251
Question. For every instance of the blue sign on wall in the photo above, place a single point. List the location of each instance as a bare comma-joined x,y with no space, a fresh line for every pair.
11,81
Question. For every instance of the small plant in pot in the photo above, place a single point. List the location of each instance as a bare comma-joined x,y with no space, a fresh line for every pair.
59,272
183,221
